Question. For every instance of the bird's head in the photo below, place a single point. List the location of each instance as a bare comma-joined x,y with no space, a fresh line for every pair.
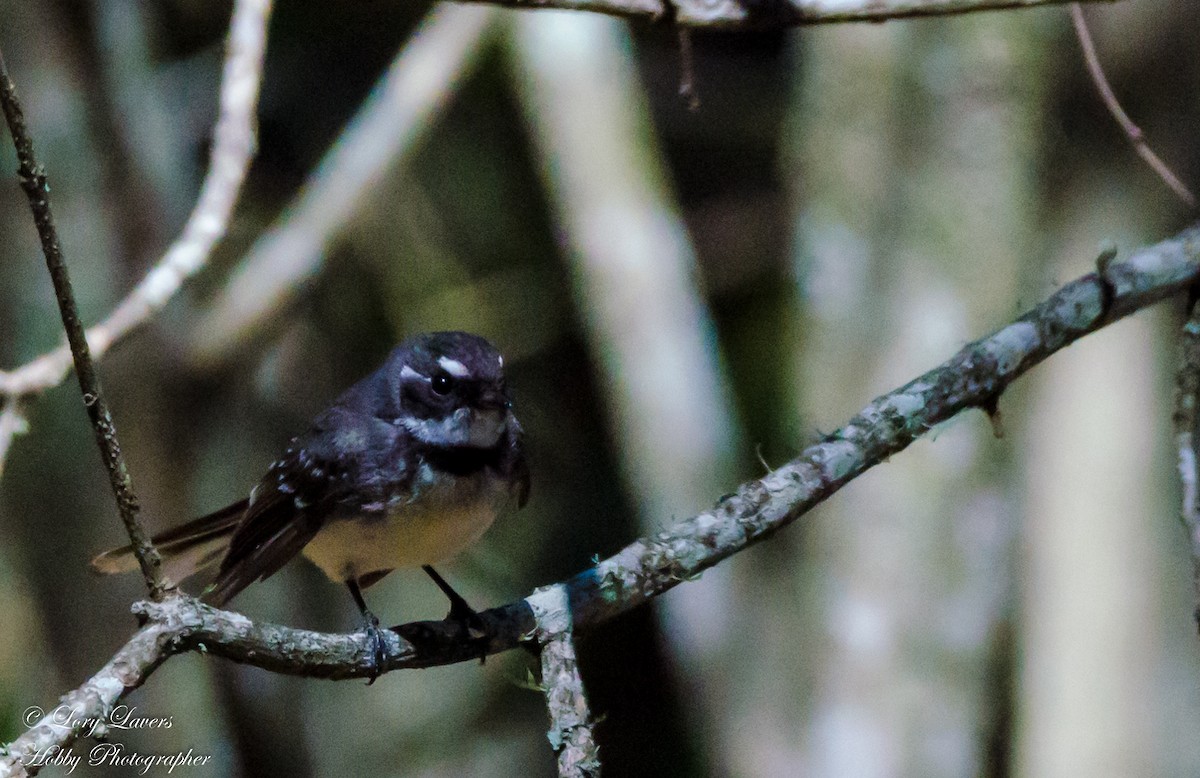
450,389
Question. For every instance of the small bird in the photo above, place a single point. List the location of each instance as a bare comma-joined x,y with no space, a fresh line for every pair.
408,467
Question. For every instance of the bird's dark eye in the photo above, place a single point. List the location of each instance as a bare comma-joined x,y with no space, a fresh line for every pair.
442,382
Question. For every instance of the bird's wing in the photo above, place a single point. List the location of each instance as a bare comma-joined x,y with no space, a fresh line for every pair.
319,470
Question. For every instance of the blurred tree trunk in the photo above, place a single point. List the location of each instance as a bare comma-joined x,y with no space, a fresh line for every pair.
908,571
1106,599
635,278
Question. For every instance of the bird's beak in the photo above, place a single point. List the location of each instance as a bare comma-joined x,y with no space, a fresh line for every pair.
491,400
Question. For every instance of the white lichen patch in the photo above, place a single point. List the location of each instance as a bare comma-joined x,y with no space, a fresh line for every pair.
1155,264
551,606
1011,345
838,459
906,404
1080,308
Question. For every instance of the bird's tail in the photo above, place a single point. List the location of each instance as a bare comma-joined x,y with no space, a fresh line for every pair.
185,550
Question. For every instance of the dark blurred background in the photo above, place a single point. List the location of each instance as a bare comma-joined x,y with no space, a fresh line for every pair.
685,297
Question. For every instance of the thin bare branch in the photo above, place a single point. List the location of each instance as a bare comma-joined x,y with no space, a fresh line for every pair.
650,566
740,14
33,181
1131,130
570,715
234,143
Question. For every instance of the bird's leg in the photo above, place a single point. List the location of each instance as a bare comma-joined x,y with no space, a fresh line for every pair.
459,610
371,627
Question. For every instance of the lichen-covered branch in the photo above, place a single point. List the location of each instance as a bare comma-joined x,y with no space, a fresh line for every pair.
178,624
234,143
33,181
91,702
740,14
648,567
570,715
1187,395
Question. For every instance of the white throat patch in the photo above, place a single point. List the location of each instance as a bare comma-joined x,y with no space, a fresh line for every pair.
464,427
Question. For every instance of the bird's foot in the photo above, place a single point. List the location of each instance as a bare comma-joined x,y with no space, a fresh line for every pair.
470,620
472,624
379,648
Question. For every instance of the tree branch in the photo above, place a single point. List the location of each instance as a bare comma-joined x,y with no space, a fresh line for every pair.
33,181
1131,130
570,716
770,14
234,142
650,566
1187,396
125,672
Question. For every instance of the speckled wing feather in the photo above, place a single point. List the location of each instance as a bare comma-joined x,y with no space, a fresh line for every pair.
316,476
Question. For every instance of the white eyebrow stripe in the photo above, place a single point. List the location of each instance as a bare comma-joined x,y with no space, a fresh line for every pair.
454,367
408,373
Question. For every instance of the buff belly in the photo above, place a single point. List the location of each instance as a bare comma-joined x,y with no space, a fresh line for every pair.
409,535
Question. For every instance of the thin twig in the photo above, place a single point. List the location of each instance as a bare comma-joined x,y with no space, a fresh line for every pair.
570,715
653,565
774,14
1131,130
1187,397
234,142
33,181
